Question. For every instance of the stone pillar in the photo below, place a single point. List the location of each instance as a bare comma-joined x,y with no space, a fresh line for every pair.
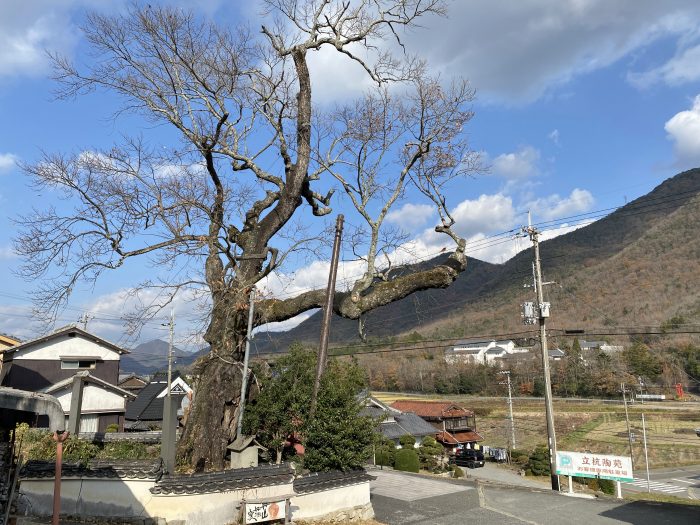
168,444
76,403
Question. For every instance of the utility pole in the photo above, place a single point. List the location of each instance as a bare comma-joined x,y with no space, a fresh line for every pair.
627,419
327,313
646,455
510,407
543,313
244,380
85,319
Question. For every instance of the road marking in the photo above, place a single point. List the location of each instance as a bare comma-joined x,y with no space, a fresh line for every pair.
657,486
684,481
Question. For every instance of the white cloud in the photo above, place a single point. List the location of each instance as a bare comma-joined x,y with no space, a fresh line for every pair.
29,29
554,136
6,252
283,326
515,52
411,216
684,130
7,161
335,77
520,164
556,207
487,214
682,68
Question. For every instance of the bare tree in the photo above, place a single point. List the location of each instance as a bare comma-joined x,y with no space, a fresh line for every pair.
242,102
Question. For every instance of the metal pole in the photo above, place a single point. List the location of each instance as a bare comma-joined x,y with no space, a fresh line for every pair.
627,419
244,379
327,313
510,408
59,438
549,410
646,455
170,350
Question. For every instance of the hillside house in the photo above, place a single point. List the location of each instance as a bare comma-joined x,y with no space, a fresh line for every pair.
481,351
146,411
455,425
556,354
393,423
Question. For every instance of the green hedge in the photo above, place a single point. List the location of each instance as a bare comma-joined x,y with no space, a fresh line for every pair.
406,459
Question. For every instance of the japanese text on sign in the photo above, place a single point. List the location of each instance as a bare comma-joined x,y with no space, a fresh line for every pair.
587,465
260,512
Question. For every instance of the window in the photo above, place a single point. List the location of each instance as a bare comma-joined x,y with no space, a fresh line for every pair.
78,364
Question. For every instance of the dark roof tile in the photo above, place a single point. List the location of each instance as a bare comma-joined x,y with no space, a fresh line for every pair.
319,481
141,469
234,479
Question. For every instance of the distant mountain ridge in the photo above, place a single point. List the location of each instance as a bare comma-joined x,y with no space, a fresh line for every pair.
152,356
650,246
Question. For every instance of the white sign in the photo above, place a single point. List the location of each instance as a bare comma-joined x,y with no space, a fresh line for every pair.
588,465
260,512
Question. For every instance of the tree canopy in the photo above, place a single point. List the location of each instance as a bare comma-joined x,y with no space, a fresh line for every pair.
337,437
229,202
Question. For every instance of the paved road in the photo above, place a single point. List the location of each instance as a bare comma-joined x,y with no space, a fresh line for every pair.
496,473
399,485
449,502
682,482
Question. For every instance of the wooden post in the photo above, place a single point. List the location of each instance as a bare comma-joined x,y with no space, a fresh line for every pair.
59,438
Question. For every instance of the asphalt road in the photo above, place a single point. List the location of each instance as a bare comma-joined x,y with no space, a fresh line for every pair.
408,499
682,482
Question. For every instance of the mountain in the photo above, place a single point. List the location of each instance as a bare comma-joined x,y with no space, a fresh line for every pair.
148,358
639,265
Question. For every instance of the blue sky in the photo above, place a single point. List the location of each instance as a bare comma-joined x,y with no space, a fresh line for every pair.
581,105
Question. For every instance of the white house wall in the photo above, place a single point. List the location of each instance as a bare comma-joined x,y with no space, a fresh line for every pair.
65,346
95,399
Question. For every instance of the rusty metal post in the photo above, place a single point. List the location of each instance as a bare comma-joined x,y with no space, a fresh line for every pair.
59,438
327,314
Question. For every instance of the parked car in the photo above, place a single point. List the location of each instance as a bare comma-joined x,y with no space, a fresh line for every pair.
469,458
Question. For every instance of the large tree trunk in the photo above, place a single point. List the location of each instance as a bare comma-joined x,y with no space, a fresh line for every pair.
214,412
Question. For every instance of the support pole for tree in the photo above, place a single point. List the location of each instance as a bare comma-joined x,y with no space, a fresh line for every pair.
327,313
244,379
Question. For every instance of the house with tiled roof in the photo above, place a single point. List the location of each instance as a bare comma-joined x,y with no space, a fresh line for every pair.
146,411
132,382
68,356
37,364
102,404
393,424
455,425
